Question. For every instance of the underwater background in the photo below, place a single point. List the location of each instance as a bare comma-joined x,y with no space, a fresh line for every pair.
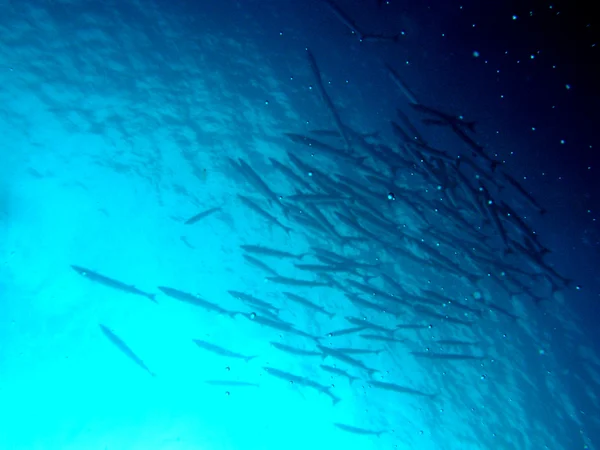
265,224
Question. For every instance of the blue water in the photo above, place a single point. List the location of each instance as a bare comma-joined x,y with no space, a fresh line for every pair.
120,121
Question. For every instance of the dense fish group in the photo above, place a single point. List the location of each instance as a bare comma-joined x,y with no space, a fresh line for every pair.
403,237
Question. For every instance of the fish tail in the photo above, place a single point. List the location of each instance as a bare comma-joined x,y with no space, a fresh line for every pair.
152,297
250,358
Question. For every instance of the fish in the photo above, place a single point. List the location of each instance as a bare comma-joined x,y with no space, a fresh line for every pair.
381,37
255,180
409,326
454,342
318,198
124,348
261,212
372,326
524,193
294,350
261,265
320,148
279,325
247,298
357,351
291,175
401,85
302,381
221,351
346,359
399,389
340,372
360,302
201,215
450,302
344,18
307,303
267,313
448,356
500,310
325,97
345,331
458,125
359,431
112,283
296,282
266,251
376,337
443,317
196,300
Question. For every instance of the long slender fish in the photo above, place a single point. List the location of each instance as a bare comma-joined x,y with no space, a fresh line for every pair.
261,265
296,282
247,298
347,359
221,351
456,343
301,381
340,372
279,325
358,322
228,383
266,251
201,215
307,303
118,342
326,99
356,430
101,279
375,337
399,389
448,356
261,212
401,85
344,18
196,300
345,331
